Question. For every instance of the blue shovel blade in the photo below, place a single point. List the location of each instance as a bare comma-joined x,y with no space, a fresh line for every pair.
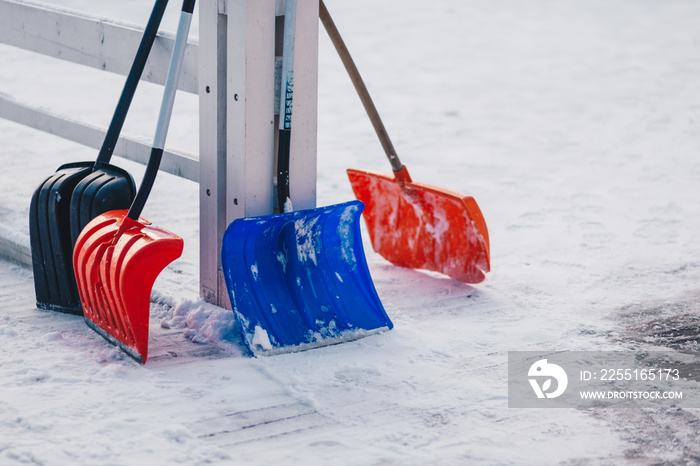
299,280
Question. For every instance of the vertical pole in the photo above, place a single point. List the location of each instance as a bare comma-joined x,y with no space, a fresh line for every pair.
250,108
302,164
237,112
212,59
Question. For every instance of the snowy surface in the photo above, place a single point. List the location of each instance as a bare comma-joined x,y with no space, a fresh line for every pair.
574,124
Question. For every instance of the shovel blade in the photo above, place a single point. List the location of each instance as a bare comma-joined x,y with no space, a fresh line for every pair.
300,280
116,262
50,239
421,226
105,189
54,226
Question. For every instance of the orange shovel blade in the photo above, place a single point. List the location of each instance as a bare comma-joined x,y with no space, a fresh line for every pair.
116,262
422,226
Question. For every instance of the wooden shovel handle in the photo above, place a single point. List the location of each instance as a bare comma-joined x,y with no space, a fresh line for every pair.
361,89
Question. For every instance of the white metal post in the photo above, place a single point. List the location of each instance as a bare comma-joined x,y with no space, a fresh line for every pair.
212,148
250,108
302,164
237,114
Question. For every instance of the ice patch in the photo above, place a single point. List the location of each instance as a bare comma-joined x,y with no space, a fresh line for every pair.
261,339
211,324
333,326
346,235
306,239
254,271
439,224
282,259
195,336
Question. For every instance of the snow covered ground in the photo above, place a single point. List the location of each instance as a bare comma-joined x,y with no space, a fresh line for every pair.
574,124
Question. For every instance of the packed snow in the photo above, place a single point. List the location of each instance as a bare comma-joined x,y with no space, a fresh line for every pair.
576,127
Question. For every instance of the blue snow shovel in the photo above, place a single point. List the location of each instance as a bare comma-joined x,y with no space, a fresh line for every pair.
299,280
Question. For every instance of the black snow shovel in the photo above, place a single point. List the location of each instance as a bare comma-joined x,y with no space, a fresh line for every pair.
299,280
118,255
67,200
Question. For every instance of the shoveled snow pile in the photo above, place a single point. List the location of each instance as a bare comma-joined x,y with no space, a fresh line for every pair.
201,322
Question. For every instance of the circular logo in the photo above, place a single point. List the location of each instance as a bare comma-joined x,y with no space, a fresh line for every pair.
542,373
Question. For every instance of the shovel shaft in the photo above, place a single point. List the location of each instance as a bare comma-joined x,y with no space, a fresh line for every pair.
283,192
286,102
132,82
166,107
166,110
149,178
188,6
360,87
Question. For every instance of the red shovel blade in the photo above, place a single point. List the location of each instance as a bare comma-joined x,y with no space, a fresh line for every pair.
116,261
422,226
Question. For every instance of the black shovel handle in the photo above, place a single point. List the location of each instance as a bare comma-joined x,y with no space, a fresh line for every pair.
286,101
132,81
283,153
360,87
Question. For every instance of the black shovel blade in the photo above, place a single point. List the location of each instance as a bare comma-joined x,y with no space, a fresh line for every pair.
50,239
50,228
105,189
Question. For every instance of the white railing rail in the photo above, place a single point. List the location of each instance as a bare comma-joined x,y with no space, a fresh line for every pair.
137,149
97,43
235,71
91,41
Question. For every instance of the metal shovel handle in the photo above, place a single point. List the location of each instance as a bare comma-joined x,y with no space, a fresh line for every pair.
166,110
360,87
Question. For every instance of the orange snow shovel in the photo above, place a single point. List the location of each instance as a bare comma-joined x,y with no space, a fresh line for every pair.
412,224
118,255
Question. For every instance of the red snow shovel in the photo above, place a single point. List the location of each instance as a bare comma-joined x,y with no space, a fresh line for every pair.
118,256
414,224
